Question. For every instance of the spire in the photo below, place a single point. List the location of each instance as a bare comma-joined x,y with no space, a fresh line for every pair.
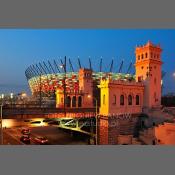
149,43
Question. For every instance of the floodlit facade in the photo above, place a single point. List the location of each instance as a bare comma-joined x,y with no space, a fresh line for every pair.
81,98
148,70
119,96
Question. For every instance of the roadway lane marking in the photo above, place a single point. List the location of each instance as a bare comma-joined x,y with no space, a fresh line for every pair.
14,138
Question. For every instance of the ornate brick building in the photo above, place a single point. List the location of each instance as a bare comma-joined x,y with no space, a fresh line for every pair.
83,98
122,100
119,98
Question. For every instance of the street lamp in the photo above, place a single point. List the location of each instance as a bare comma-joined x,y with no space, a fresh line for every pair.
2,97
63,66
11,97
24,95
96,116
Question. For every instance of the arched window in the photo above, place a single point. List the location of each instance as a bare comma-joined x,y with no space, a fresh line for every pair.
139,57
114,100
68,101
79,101
122,101
104,100
142,56
137,100
129,100
153,142
74,101
146,55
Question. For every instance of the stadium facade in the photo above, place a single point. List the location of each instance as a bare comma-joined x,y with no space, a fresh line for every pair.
47,77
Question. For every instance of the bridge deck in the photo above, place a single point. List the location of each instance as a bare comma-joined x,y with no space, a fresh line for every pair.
47,112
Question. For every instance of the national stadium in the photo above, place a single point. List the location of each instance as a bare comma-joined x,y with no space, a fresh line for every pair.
48,76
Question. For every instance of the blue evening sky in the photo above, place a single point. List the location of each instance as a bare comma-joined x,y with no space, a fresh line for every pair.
21,48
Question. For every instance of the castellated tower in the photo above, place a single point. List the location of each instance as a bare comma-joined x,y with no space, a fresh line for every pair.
86,86
148,70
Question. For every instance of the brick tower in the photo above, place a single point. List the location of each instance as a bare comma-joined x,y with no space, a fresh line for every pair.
148,70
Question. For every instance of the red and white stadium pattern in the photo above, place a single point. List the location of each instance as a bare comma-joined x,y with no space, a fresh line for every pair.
47,78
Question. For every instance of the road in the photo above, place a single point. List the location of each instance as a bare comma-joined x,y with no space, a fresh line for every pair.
9,139
55,136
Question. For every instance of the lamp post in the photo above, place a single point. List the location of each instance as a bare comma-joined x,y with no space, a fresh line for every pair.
11,98
2,97
40,93
96,117
63,66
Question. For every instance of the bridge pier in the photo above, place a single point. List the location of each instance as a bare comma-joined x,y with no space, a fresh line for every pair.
110,127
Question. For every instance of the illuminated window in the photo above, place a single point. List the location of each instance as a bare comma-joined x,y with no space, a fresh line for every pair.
104,100
137,100
114,102
129,100
122,102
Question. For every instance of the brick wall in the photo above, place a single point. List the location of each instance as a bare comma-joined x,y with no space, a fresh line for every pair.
111,127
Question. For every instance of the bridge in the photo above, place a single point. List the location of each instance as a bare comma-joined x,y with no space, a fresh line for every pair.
32,112
83,125
80,120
